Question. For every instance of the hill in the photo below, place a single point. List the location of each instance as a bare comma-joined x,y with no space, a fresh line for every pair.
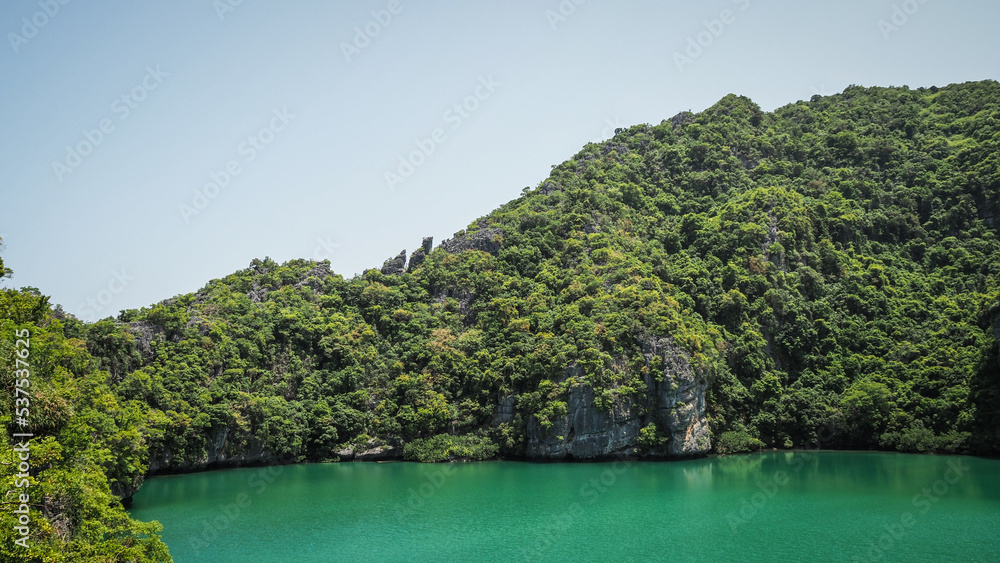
826,274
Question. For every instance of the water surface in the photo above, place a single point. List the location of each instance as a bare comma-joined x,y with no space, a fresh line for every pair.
783,506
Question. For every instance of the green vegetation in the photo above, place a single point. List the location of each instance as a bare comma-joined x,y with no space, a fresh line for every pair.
445,447
89,445
831,265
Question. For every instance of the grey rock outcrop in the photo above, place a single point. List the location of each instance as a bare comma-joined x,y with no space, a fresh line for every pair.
374,451
313,278
419,254
505,410
379,453
257,293
675,403
682,119
145,332
395,266
679,395
487,239
221,452
619,148
586,432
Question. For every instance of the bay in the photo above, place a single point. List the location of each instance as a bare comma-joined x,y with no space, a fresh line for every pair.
774,506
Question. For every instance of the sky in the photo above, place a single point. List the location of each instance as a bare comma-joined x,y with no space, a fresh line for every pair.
150,147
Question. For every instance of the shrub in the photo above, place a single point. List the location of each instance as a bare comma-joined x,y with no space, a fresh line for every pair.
445,447
737,441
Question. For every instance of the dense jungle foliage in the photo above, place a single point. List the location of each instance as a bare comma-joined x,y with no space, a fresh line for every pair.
831,268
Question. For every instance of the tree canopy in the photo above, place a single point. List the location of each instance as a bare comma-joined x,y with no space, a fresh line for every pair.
831,268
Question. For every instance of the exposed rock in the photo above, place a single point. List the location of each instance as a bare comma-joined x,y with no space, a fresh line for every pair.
221,453
465,299
619,148
379,453
313,278
202,326
257,293
675,403
505,410
145,332
681,119
487,239
548,188
679,396
418,255
395,266
586,432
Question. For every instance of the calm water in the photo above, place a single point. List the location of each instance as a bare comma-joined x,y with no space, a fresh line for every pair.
803,506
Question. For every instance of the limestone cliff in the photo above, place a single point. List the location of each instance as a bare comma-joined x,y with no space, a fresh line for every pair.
221,452
674,403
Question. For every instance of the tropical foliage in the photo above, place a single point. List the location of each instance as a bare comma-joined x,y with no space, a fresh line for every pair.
832,268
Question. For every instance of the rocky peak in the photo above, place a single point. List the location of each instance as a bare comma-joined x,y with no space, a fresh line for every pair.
419,254
487,239
395,266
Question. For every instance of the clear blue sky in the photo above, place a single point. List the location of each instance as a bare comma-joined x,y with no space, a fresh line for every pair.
310,128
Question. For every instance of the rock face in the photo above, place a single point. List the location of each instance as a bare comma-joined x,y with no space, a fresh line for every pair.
313,278
681,119
220,454
586,432
145,332
675,403
505,410
487,239
395,266
419,254
373,452
548,188
380,453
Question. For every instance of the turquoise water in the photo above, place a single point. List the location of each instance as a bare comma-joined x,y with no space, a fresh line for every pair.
782,506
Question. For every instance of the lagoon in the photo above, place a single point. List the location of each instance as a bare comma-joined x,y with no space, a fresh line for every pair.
774,506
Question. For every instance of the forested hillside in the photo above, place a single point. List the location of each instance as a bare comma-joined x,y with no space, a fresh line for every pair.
721,281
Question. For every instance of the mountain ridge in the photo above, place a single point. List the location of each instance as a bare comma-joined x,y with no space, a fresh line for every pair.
721,282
